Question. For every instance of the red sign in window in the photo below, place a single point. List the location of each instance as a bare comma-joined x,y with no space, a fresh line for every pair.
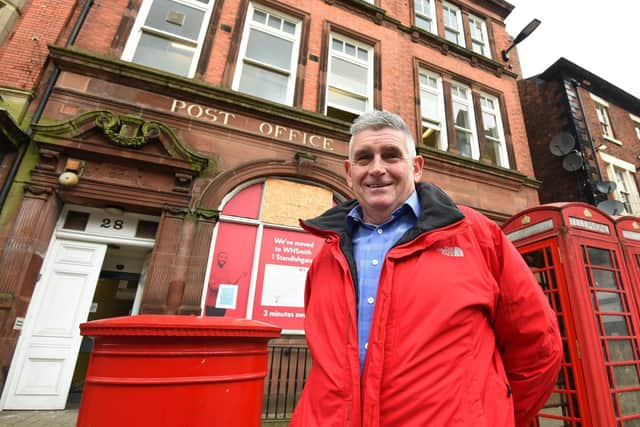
285,257
228,286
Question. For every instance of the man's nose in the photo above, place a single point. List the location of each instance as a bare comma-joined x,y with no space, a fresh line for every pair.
377,166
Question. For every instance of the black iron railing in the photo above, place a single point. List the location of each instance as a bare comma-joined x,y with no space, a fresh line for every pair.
287,371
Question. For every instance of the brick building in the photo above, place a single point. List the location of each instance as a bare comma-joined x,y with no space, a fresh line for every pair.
172,145
584,133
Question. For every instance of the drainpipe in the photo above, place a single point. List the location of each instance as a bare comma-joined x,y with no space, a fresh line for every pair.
22,149
576,86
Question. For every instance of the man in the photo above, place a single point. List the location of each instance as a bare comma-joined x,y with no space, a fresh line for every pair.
419,312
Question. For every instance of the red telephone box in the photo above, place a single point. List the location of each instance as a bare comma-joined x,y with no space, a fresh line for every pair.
628,228
574,251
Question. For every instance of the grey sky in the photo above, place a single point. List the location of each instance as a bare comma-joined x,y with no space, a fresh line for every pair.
601,37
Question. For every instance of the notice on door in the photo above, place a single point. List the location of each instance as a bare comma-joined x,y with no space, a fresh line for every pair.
285,257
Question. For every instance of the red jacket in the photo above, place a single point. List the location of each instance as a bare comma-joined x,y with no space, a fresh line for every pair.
462,334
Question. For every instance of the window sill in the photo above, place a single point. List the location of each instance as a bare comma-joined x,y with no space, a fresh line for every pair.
446,47
378,15
615,141
506,177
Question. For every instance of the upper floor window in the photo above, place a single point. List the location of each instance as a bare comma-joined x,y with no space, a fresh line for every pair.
432,111
168,35
603,118
349,78
493,130
453,24
464,121
268,55
636,124
623,174
426,15
602,110
479,37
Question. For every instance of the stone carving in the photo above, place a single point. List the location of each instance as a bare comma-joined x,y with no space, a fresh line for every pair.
127,131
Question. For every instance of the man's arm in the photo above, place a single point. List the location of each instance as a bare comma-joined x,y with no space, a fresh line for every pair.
527,333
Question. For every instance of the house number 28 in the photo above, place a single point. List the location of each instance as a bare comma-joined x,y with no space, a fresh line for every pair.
116,224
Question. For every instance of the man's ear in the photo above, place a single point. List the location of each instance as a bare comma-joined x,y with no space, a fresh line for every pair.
347,172
418,164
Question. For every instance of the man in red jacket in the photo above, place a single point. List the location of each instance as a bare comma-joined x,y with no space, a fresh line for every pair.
419,312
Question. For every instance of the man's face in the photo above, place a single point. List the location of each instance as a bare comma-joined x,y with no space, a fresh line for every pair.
380,173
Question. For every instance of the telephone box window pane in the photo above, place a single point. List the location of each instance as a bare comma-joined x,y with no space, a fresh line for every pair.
626,376
246,203
550,422
600,257
632,423
609,301
629,402
605,279
556,405
76,221
615,326
620,350
535,259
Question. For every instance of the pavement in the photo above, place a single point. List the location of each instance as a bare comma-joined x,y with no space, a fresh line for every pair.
65,418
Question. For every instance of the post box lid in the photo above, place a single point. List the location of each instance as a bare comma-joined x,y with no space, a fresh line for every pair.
172,325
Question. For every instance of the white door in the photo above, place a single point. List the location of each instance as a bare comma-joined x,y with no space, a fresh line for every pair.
45,356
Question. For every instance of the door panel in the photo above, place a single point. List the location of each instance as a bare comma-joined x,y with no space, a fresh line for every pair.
48,346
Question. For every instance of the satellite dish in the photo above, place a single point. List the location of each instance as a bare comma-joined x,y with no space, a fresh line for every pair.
562,144
572,161
612,207
606,187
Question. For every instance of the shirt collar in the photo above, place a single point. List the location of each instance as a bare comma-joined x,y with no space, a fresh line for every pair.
412,204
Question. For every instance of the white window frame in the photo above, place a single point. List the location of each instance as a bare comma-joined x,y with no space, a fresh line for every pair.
250,24
460,29
139,28
602,111
484,42
468,102
439,93
603,118
501,140
421,14
368,97
628,175
636,123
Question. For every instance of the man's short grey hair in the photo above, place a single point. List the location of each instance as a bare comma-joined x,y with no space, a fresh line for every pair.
376,120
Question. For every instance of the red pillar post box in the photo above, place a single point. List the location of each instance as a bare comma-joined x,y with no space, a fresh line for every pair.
576,255
162,370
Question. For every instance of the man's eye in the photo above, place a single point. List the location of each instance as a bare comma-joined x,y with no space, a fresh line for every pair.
362,160
392,155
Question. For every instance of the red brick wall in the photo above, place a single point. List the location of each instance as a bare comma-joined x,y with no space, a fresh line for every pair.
546,115
623,128
23,55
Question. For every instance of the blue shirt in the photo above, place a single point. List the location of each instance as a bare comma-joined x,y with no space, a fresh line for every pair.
370,246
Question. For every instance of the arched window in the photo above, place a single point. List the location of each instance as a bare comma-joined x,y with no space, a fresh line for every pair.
260,255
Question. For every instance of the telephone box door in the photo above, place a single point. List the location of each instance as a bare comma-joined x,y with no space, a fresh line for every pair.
566,406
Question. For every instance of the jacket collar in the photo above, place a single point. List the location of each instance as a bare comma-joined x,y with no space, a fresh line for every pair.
437,211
